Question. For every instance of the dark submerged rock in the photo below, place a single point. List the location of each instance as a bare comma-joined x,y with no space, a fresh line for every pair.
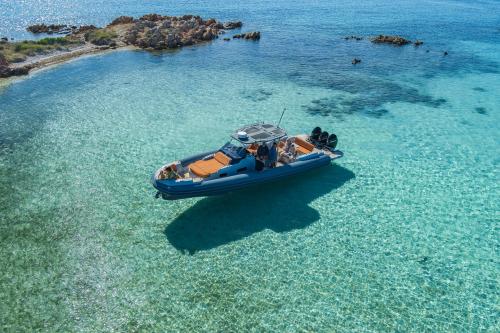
227,39
356,61
394,40
445,53
418,42
481,110
353,37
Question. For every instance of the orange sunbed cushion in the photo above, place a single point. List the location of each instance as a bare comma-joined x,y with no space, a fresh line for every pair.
204,169
222,158
309,147
302,150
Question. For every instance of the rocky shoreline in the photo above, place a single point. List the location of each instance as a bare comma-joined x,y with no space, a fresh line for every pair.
149,32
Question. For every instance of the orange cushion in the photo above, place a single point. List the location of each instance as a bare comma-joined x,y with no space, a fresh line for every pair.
222,158
309,147
302,150
204,169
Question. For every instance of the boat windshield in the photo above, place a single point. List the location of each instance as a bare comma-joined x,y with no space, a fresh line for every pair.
236,153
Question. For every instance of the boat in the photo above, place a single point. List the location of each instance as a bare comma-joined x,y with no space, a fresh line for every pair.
256,154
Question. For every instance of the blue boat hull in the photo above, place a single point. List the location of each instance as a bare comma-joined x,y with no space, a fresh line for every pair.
171,190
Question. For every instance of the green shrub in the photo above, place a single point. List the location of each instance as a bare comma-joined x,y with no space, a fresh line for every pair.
100,36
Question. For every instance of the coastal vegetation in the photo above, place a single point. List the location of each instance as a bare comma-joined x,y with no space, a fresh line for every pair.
19,51
100,36
150,32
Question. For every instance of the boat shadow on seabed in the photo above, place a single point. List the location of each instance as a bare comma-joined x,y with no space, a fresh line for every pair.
280,206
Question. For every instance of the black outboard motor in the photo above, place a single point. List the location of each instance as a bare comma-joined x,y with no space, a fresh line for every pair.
332,141
323,138
316,132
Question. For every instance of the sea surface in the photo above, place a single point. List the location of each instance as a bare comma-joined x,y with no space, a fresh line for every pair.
402,234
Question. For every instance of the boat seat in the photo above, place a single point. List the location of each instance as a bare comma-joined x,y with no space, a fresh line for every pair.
303,146
204,168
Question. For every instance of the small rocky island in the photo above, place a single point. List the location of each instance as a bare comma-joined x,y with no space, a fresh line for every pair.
149,32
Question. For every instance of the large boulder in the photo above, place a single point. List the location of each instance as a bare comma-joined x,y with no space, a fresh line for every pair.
254,35
173,40
155,39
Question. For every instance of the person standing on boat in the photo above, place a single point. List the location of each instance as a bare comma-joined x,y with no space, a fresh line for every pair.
263,154
273,155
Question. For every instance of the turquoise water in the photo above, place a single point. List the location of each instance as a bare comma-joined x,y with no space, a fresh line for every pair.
402,234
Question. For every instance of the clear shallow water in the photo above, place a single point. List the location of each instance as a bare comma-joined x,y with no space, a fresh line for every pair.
402,234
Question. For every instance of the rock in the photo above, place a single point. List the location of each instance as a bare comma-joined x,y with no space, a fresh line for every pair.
84,28
356,61
238,36
48,29
151,17
130,37
6,71
102,41
227,39
254,35
3,61
173,40
122,20
232,25
418,42
395,40
353,37
210,22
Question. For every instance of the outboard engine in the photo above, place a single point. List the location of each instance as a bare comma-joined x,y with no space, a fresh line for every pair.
316,132
323,138
332,141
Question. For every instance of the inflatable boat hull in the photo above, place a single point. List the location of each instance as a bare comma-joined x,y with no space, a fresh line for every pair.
173,190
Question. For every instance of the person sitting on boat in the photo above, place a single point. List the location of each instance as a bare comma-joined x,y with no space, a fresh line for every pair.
273,155
290,147
170,173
